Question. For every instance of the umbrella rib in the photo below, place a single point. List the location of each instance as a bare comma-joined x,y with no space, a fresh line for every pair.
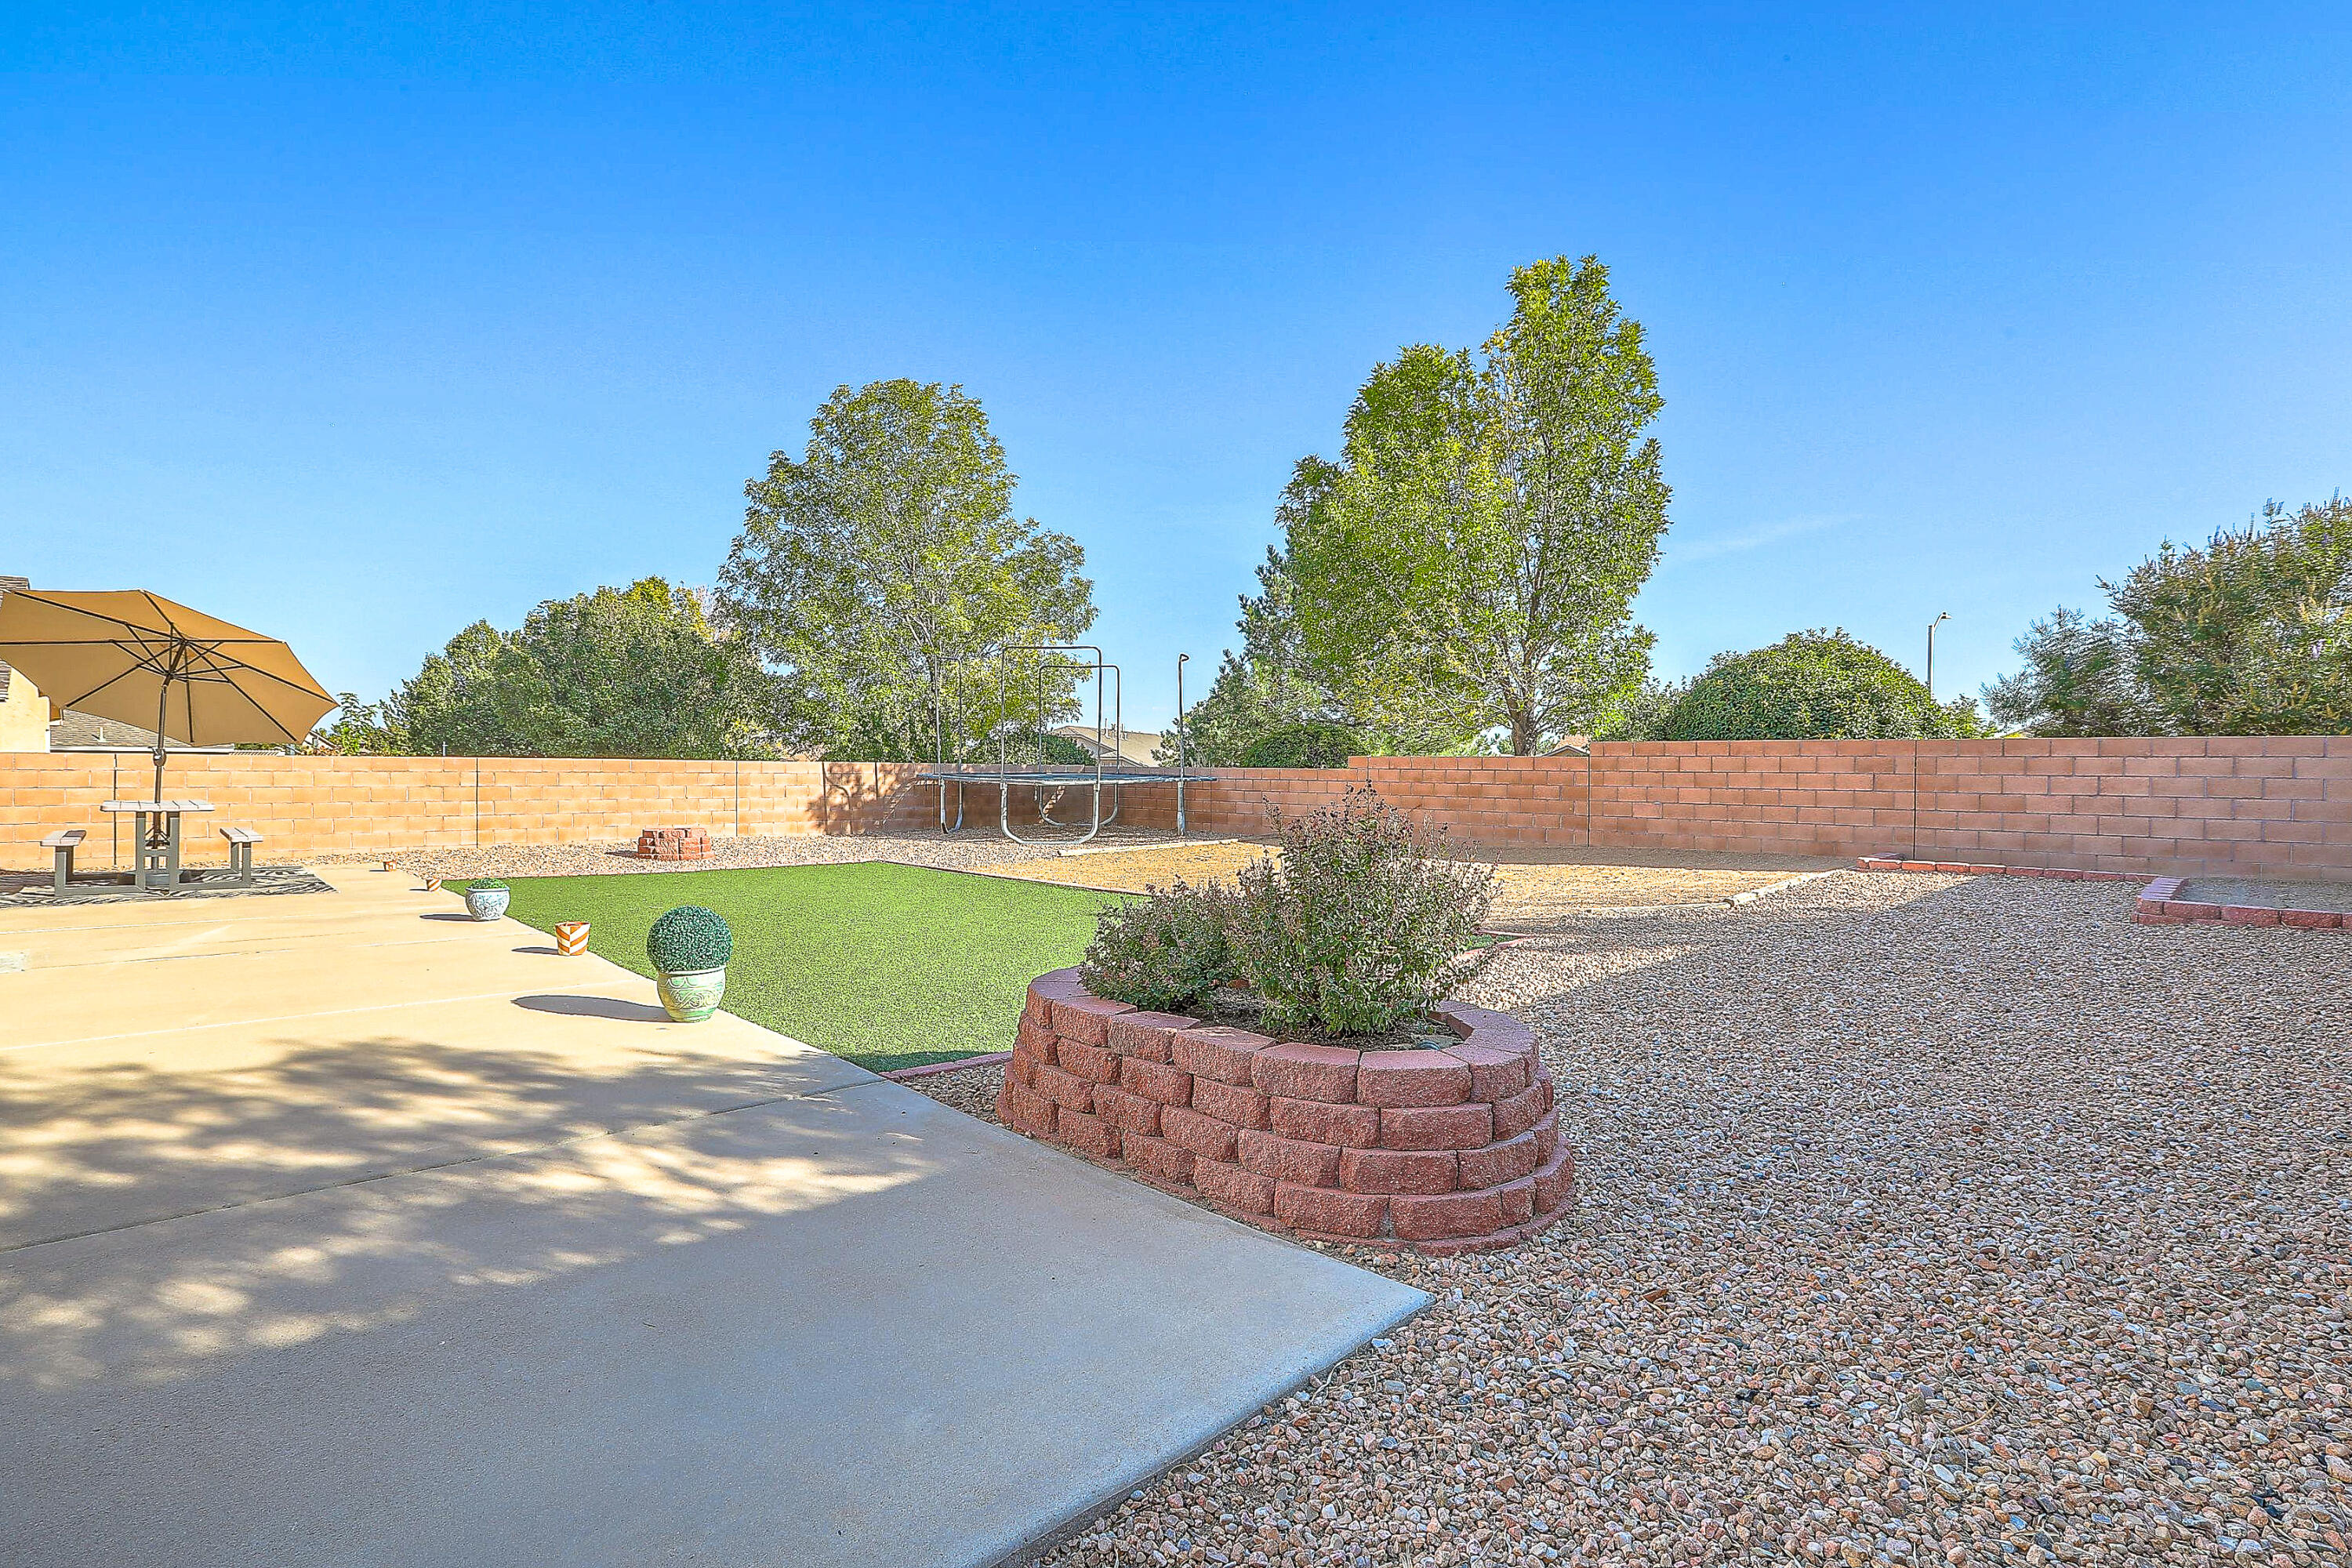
294,685
171,628
119,675
75,609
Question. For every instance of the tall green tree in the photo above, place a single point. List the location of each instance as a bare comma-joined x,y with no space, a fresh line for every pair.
881,571
2250,634
622,672
637,672
1470,564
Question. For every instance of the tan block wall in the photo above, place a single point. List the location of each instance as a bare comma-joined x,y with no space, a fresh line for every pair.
2223,804
2267,806
2278,805
1789,797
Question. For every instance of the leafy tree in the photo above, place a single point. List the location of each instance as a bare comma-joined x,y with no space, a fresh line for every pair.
881,573
2081,677
1265,689
1642,714
633,672
2252,634
2249,634
360,730
1470,564
451,707
640,673
1812,685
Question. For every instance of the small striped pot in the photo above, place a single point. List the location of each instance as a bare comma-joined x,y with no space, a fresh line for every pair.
572,938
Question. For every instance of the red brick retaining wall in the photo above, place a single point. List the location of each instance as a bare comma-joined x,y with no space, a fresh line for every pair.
1446,1150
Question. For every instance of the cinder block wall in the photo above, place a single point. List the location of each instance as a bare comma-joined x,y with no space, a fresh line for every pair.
2275,806
2270,805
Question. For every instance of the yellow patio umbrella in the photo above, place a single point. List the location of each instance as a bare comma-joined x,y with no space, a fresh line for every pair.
139,657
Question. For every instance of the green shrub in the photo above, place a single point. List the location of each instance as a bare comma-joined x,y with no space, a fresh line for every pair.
1309,743
486,885
1812,686
689,938
1162,952
1367,922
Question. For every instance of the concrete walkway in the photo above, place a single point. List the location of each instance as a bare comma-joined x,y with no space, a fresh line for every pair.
335,1230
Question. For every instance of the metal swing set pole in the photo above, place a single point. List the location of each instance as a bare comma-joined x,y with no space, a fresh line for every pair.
1005,743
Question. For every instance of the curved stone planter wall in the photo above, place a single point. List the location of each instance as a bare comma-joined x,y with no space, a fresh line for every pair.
1447,1150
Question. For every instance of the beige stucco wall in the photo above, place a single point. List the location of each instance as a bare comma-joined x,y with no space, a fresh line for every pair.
24,717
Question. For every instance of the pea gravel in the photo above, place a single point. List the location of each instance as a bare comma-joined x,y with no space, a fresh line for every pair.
1925,1219
971,850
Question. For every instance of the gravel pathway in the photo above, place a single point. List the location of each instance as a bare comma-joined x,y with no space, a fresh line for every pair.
1924,1218
1530,896
967,850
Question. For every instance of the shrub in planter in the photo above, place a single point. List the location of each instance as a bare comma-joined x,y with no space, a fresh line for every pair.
1367,922
486,900
1163,953
688,948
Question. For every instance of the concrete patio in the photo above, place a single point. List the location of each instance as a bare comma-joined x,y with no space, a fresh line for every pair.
340,1229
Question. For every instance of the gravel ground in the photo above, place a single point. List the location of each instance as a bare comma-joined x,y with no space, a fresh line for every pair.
1530,896
966,850
1924,1218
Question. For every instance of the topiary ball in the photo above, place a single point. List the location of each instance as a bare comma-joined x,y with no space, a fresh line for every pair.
690,939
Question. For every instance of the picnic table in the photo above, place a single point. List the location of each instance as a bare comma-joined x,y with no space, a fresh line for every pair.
157,843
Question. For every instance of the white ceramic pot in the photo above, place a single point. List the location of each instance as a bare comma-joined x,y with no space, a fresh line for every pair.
692,996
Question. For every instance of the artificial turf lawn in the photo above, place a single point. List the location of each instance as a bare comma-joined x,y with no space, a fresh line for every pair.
891,966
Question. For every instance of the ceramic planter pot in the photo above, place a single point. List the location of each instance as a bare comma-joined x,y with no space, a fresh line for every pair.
693,996
486,904
572,938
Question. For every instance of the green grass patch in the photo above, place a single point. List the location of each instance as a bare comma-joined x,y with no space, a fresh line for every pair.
891,966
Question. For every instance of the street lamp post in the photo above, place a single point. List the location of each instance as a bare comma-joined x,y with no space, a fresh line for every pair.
1180,660
1939,621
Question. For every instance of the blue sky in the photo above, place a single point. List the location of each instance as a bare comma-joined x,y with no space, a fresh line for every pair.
357,328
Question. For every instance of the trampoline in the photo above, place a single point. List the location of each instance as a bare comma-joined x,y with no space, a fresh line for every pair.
1011,773
1097,781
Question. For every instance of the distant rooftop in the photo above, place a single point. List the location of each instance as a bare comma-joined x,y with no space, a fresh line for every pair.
1137,746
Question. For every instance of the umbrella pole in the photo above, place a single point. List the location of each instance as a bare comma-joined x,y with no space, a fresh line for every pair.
162,705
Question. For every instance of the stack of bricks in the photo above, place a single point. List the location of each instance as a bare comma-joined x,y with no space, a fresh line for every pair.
1446,1150
673,843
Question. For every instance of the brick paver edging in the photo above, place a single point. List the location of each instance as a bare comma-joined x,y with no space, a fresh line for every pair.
1967,869
2156,905
1447,1150
962,1064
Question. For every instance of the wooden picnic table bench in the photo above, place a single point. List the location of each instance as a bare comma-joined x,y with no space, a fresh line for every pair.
64,841
241,841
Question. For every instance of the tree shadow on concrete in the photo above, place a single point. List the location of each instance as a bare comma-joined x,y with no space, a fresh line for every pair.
334,1190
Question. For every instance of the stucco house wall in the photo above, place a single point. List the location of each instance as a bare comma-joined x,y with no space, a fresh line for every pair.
24,712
